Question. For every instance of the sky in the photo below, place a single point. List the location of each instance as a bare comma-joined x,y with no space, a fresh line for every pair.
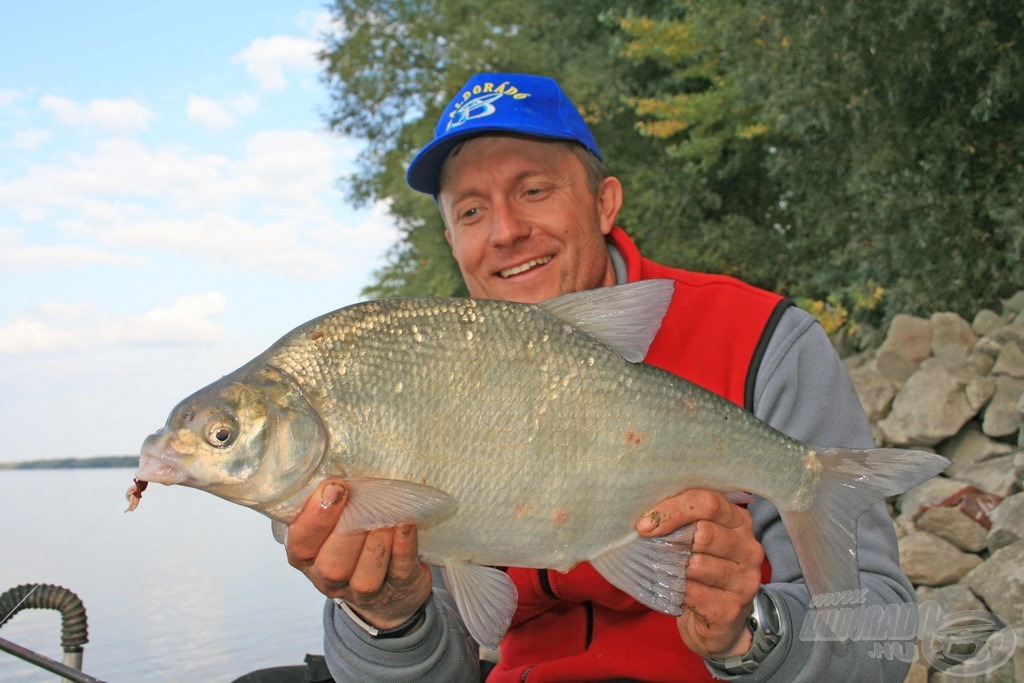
170,206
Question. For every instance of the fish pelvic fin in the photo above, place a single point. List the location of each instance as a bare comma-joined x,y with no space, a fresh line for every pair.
280,531
651,570
380,503
824,534
486,599
624,318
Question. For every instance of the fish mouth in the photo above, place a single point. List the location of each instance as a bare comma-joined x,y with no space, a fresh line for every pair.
524,267
160,466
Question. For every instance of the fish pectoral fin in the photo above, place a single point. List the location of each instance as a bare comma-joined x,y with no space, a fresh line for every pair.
486,598
380,503
624,318
280,531
651,570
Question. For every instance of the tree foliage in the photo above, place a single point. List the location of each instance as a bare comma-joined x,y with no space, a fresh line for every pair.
830,151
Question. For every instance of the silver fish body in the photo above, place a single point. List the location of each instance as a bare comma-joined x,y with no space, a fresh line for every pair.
515,435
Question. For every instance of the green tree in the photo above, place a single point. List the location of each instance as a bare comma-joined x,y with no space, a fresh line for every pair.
820,149
898,130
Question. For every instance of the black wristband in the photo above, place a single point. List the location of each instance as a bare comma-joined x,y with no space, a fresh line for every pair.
407,626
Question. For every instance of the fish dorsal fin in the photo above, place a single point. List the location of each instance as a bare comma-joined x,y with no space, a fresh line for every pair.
486,598
651,570
380,503
624,318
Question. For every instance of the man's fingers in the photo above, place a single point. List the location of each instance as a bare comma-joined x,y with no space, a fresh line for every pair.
313,526
725,573
690,506
405,554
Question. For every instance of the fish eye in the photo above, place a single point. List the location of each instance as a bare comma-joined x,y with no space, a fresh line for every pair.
220,433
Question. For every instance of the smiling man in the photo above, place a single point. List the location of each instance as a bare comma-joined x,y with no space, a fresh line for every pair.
530,215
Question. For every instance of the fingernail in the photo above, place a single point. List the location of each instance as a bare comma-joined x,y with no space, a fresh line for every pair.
403,531
649,522
331,495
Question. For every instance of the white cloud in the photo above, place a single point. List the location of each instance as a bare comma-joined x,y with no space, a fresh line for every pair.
121,117
55,327
186,321
16,255
317,22
30,139
59,257
268,60
66,111
208,113
27,335
9,97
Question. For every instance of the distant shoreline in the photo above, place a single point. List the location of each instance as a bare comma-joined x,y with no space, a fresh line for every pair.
103,461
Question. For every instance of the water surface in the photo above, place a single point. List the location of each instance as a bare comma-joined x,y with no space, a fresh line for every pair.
188,587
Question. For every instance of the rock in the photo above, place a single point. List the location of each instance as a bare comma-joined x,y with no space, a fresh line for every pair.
1010,361
979,667
955,598
909,337
934,404
1007,523
980,363
951,524
994,475
1013,305
952,339
874,389
928,560
1002,418
1007,333
918,672
894,367
985,321
931,492
999,582
969,446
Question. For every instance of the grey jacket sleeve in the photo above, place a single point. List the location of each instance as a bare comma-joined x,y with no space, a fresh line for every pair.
439,650
803,390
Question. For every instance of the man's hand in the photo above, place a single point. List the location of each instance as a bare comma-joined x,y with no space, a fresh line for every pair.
378,573
722,575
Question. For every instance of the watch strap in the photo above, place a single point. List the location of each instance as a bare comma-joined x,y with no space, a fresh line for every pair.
766,630
407,626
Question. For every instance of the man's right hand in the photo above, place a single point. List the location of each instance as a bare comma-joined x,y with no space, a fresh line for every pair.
378,573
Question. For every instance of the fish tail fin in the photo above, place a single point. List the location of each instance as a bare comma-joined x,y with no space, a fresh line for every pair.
824,534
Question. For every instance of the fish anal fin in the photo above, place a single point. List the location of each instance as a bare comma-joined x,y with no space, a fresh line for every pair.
379,503
651,570
486,598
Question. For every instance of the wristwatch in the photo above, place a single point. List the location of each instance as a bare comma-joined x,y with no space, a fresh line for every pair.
402,629
766,629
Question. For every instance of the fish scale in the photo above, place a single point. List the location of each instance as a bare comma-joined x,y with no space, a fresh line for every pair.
515,435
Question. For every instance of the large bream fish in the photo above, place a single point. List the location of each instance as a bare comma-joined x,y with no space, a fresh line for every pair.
524,435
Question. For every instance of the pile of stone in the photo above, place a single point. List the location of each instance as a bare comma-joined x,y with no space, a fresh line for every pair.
957,388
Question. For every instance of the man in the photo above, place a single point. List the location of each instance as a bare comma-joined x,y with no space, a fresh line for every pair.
530,215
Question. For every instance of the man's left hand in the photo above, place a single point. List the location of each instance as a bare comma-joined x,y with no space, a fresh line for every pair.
723,573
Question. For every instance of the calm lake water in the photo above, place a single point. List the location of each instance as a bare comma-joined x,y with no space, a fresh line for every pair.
188,587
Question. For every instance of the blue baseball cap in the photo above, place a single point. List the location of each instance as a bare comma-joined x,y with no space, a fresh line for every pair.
496,103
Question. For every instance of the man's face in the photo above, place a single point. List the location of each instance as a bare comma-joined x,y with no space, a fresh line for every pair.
522,222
